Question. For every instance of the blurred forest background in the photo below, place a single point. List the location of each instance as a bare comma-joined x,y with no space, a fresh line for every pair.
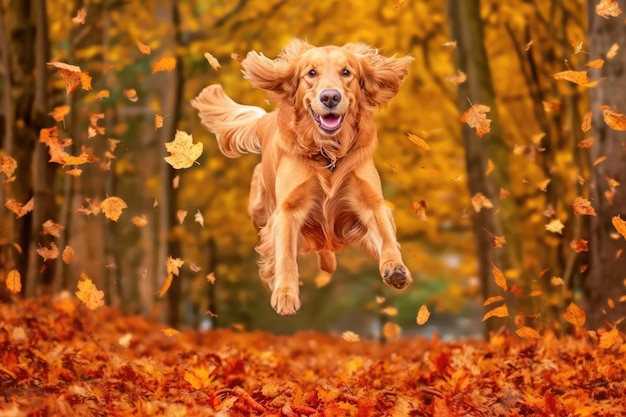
467,208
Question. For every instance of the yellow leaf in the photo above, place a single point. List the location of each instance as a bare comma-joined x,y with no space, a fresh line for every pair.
112,207
620,225
575,315
184,151
612,52
89,294
576,77
213,62
501,311
527,333
102,94
322,279
164,64
198,378
476,117
423,314
555,226
14,281
499,278
389,311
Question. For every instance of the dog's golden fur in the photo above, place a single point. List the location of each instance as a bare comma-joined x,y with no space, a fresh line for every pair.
316,187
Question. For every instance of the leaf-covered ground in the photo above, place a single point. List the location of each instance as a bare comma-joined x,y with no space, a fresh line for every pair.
59,358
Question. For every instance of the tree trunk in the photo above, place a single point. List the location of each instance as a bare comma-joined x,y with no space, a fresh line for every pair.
607,270
466,28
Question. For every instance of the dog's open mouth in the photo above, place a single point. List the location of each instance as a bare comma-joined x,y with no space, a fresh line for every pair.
329,123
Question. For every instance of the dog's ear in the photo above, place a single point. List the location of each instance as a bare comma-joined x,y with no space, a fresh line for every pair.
278,76
380,77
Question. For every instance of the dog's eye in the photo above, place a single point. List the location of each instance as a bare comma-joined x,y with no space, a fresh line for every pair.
346,72
312,73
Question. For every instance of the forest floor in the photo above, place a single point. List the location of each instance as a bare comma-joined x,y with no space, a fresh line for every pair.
61,359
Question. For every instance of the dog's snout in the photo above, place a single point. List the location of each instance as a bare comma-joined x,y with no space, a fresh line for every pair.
330,98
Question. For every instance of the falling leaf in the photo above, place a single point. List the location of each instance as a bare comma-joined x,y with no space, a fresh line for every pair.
68,254
417,141
180,216
59,112
527,333
125,339
419,208
322,279
102,94
555,226
139,221
158,121
164,64
194,267
51,228
579,245
479,201
236,56
112,207
608,8
166,284
549,106
490,167
423,314
18,208
499,278
173,265
213,62
350,337
575,315
143,48
458,78
612,183
131,95
14,281
8,165
169,332
211,278
596,63
449,44
389,311
476,117
498,241
613,118
576,77
586,124
577,44
391,330
620,225
73,77
89,294
51,252
93,207
501,311
582,206
586,143
184,151
556,281
493,299
612,52
608,339
80,17
198,218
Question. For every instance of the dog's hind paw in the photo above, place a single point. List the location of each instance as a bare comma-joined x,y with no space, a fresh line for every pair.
396,276
285,301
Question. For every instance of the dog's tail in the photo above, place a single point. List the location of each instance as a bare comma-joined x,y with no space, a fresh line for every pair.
233,124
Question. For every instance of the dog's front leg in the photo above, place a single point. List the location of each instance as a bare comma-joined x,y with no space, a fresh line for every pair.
293,203
381,234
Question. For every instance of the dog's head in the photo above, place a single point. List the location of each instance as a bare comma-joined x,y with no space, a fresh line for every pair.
329,86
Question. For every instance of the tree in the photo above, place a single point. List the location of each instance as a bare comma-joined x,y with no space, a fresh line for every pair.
607,270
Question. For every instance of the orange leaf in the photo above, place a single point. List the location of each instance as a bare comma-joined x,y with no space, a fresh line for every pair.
608,339
184,151
166,284
492,300
476,117
479,201
579,245
613,118
164,64
620,225
457,79
8,165
169,332
391,330
419,208
527,333
89,294
112,208
586,124
80,17
501,311
575,315
158,121
586,143
143,48
582,206
422,315
139,221
490,167
417,141
389,311
499,278
14,281
131,95
596,63
180,215
59,112
102,94
173,265
211,277
350,337
51,228
18,208
68,254
608,8
576,77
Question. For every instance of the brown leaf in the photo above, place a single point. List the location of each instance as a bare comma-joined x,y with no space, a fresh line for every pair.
579,245
18,208
8,165
582,206
476,117
49,253
586,143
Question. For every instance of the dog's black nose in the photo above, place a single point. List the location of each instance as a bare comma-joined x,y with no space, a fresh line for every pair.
330,98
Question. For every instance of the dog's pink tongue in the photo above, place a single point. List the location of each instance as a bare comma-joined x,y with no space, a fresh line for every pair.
330,122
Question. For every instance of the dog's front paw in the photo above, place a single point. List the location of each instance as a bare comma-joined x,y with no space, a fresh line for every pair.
396,275
285,301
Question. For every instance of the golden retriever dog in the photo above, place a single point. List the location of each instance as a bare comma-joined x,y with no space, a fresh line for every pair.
316,188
